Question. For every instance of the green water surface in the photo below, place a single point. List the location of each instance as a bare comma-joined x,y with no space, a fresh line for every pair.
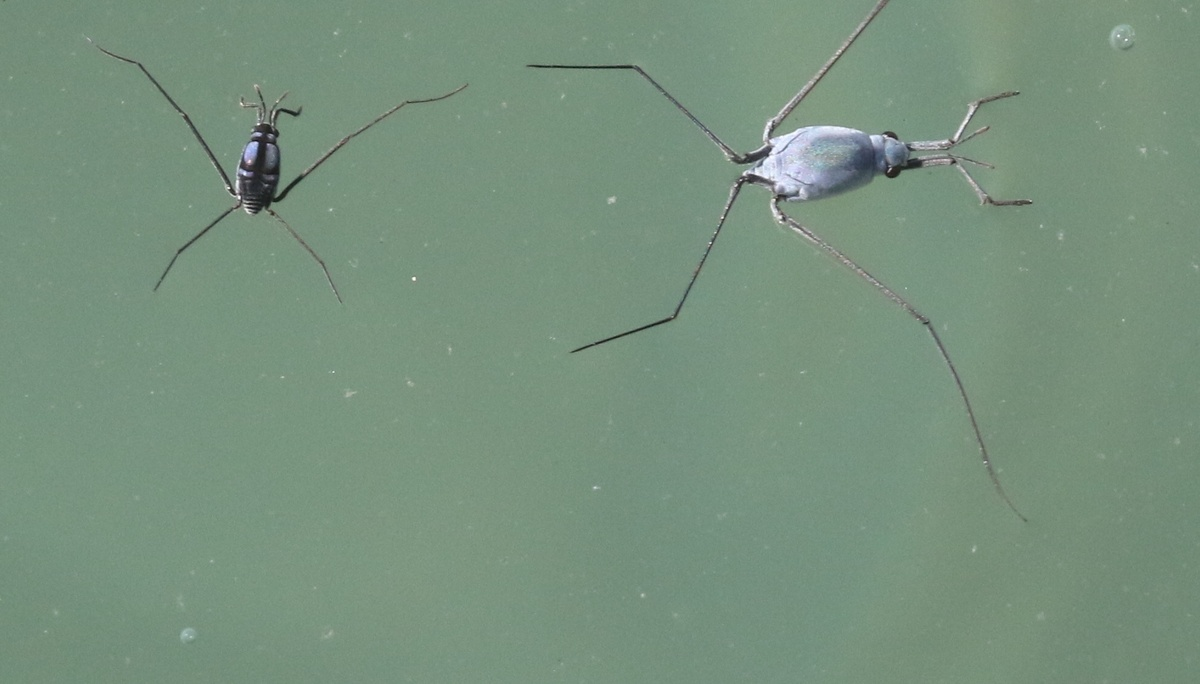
423,485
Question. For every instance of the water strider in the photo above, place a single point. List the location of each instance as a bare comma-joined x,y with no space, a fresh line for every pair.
257,176
822,161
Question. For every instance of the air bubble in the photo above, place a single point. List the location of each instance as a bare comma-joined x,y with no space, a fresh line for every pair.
188,635
1121,37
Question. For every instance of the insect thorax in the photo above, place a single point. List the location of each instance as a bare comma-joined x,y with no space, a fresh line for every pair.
820,161
258,170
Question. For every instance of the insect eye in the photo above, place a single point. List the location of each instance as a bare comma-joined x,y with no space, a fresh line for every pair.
893,171
889,134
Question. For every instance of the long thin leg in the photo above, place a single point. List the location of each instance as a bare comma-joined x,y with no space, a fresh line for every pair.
956,160
812,237
733,194
985,198
186,119
310,251
728,151
772,123
195,237
776,120
957,138
320,160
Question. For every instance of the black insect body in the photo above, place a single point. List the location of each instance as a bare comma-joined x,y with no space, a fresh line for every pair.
257,177
258,171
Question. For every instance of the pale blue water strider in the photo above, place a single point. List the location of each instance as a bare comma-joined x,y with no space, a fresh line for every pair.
823,161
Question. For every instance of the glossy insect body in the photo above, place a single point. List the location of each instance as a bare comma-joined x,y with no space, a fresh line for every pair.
258,172
822,161
257,177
